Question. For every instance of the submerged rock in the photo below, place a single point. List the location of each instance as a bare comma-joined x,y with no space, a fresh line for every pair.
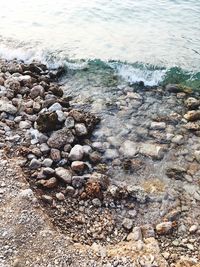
128,149
152,150
192,115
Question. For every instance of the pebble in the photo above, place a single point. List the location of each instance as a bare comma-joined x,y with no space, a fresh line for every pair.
69,122
55,107
164,228
128,149
152,150
60,196
55,154
96,202
76,153
64,174
78,166
158,125
47,162
35,164
193,229
135,235
80,129
127,224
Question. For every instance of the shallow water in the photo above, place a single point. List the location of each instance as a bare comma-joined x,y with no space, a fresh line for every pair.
160,33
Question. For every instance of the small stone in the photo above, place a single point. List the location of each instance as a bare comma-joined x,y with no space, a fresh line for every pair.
44,148
152,150
61,115
60,196
70,190
80,129
48,171
164,228
192,115
64,174
51,183
135,235
76,153
132,213
111,154
87,149
192,103
78,166
12,84
69,122
55,154
190,246
47,162
96,202
197,155
25,125
55,107
178,139
176,172
35,164
128,149
193,229
158,126
127,224
95,157
166,255
137,192
47,122
36,91
36,107
47,198
147,231
78,181
5,106
60,138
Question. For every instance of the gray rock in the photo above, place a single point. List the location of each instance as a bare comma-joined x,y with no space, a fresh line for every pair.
152,150
12,84
55,107
47,162
69,123
178,139
137,192
60,138
96,202
80,129
127,224
48,171
35,164
197,155
7,107
25,125
128,149
44,148
87,149
61,115
55,154
158,125
36,91
78,181
76,153
135,235
64,174
111,154
78,166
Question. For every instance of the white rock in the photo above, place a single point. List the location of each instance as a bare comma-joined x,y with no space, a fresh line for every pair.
193,228
128,149
158,125
81,130
197,156
7,107
55,107
64,174
152,150
76,153
25,125
178,139
111,154
61,115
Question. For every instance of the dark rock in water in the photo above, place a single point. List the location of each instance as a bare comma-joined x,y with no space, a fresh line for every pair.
37,68
55,74
176,172
56,90
60,138
47,122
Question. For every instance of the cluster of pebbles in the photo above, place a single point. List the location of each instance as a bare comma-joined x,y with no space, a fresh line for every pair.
70,175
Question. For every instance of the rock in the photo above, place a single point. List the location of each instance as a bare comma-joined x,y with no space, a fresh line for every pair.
12,84
50,183
87,149
1,81
25,125
48,171
78,166
61,115
193,229
178,139
76,153
69,122
193,126
47,162
64,174
164,228
60,196
5,106
36,91
192,115
44,148
111,154
135,235
147,231
133,95
35,164
55,107
70,190
132,213
95,157
127,224
176,172
152,150
128,149
36,107
192,103
197,155
137,192
78,181
55,154
47,199
56,90
96,202
60,138
80,129
158,126
47,122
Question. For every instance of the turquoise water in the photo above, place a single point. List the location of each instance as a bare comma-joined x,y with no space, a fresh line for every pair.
151,36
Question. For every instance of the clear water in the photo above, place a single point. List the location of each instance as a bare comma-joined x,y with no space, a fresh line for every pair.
160,33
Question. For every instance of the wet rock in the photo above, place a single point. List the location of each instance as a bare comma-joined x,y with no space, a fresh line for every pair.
192,115
80,129
55,154
127,224
56,90
60,138
36,91
78,166
192,103
164,228
111,154
158,126
137,192
64,174
135,235
5,106
152,150
69,122
55,107
35,164
60,196
47,122
95,157
176,172
76,153
128,149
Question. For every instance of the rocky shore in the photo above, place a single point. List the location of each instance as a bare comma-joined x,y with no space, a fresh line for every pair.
74,169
